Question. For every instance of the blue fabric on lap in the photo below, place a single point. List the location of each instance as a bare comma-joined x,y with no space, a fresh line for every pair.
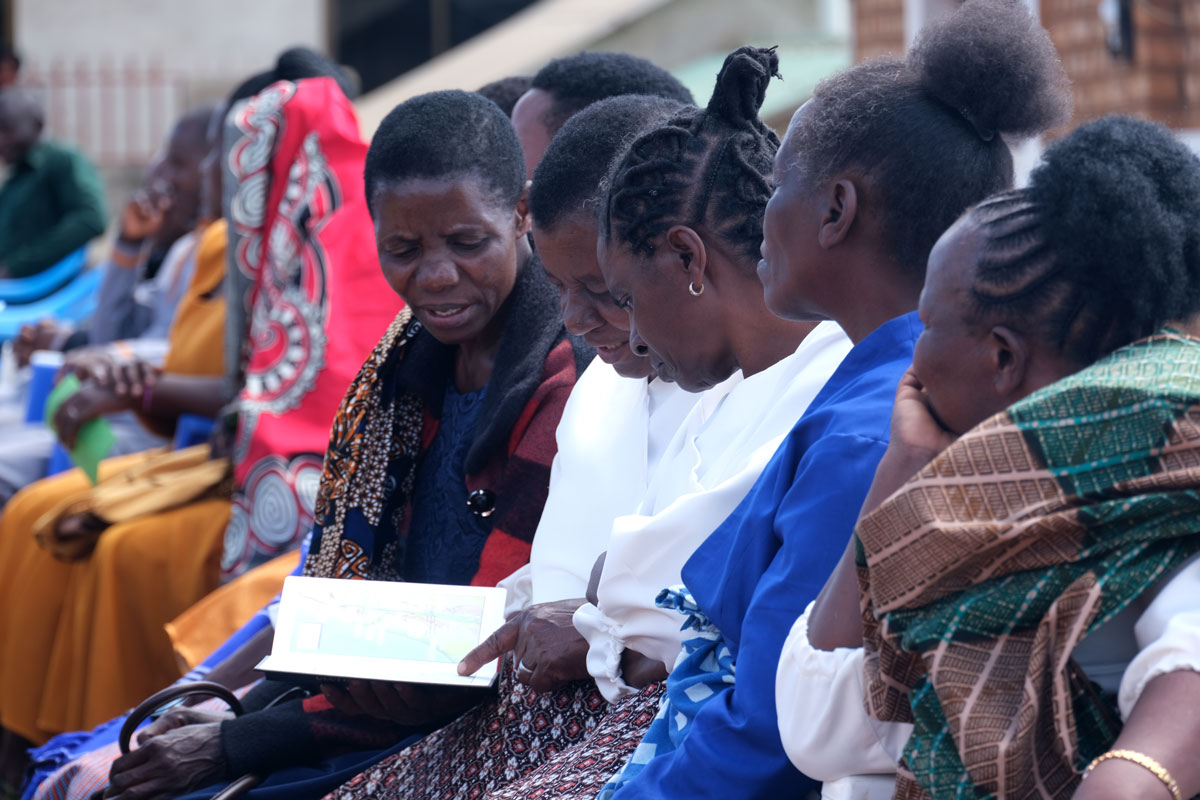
706,670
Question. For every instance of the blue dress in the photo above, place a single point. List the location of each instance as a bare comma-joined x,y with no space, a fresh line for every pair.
760,568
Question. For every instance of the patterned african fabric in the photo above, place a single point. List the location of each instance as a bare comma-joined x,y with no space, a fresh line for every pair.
509,457
705,669
390,418
755,574
520,744
306,302
381,436
997,559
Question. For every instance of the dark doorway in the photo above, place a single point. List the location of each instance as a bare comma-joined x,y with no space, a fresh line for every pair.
382,39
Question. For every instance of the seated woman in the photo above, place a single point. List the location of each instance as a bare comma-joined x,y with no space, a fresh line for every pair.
91,633
1048,427
713,458
872,170
438,460
701,187
622,423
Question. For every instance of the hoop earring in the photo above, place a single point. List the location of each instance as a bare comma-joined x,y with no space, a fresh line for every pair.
693,290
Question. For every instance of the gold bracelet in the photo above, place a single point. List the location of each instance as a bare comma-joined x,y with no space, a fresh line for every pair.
1142,760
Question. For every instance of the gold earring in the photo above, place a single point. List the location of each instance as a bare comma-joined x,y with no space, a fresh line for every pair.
693,290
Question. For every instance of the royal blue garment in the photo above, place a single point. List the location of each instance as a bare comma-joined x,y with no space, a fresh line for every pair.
446,539
762,566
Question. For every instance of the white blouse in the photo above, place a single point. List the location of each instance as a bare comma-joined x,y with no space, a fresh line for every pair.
612,433
707,470
829,736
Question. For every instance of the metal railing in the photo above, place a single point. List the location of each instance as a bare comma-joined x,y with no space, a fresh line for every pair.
119,114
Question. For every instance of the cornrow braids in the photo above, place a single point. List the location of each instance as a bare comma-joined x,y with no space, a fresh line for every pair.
1102,248
571,174
706,167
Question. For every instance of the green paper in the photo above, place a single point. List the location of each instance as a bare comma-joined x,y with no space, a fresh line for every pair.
95,439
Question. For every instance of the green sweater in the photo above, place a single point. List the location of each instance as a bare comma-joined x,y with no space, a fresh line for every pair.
52,205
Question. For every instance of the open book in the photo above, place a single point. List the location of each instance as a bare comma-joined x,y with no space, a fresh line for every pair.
332,630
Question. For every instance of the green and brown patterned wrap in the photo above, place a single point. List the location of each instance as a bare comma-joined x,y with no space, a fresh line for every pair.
982,574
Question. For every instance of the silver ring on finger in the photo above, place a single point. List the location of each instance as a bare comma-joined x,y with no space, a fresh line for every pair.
524,673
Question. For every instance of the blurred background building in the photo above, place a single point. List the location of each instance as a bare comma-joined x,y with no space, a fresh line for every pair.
116,73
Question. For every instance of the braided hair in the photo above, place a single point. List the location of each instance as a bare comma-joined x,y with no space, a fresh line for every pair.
706,167
1102,247
927,133
569,177
446,134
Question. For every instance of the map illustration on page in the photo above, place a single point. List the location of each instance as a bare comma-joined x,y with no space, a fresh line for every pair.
335,630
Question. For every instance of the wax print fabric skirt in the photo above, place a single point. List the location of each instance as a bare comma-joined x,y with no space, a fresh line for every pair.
520,744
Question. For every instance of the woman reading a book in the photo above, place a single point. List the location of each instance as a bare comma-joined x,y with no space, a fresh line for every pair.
438,461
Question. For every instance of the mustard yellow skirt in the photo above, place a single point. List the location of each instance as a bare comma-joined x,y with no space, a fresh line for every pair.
204,627
83,642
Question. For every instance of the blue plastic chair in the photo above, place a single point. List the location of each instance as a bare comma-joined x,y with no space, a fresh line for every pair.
74,302
191,430
16,291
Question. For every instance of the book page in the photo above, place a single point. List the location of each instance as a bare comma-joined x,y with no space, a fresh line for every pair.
381,630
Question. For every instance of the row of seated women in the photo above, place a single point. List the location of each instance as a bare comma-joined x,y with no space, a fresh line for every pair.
884,481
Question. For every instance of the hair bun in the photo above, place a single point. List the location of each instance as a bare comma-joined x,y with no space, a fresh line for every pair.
742,85
992,62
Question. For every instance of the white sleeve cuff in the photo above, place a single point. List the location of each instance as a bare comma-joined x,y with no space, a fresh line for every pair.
605,647
823,721
519,588
1177,648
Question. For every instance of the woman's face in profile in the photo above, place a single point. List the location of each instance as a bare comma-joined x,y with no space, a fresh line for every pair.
680,333
952,356
568,254
791,269
449,248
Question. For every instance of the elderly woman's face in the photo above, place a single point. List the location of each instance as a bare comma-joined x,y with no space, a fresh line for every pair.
568,254
952,357
449,248
794,269
681,334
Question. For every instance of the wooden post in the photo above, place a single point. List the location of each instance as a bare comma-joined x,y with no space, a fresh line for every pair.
440,26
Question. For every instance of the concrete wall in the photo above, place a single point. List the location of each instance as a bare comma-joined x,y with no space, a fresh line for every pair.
210,41
680,31
115,73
